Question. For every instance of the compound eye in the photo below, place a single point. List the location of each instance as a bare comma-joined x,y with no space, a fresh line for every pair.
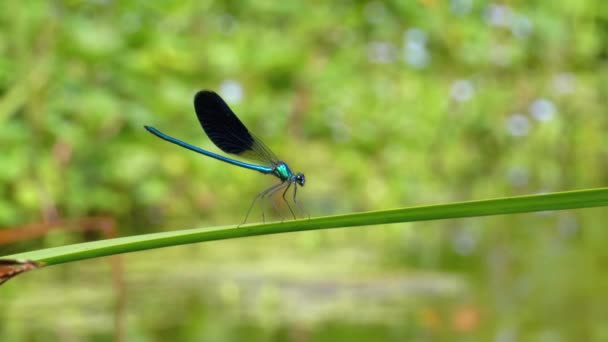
300,179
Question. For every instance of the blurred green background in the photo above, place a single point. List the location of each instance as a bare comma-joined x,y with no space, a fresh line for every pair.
381,105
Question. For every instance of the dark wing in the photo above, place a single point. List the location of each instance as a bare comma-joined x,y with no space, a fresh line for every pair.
226,130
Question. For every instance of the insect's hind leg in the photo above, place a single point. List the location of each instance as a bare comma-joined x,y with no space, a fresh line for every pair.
286,202
258,196
274,205
267,194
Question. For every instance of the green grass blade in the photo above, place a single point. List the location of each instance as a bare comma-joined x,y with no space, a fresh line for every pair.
509,205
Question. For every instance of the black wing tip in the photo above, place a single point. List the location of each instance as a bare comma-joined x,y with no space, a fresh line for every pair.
205,92
207,97
207,100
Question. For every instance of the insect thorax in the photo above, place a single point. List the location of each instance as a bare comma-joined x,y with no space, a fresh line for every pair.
282,171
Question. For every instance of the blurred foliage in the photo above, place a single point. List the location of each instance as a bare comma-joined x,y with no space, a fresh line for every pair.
381,104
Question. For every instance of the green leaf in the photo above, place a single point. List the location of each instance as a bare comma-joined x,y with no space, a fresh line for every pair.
508,205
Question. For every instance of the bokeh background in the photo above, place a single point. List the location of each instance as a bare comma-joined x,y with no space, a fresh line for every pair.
381,104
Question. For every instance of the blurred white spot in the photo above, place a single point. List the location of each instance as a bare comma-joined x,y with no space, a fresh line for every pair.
521,26
381,52
542,110
461,7
462,90
518,125
415,36
375,12
518,176
414,50
232,91
564,83
418,57
464,243
498,15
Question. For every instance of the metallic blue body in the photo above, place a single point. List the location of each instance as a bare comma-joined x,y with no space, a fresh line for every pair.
262,169
282,171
